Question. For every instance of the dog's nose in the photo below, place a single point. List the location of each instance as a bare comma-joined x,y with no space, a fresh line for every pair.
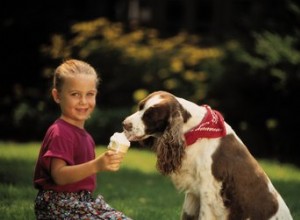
127,125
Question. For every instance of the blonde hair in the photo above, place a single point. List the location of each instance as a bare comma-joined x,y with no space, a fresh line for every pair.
72,67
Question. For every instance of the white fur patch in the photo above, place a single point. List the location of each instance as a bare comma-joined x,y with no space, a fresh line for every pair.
138,127
283,211
195,177
153,101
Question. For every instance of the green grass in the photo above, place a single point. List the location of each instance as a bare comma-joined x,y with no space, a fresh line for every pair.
137,189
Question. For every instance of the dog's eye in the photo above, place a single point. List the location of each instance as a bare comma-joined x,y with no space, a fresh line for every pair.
152,114
141,106
156,119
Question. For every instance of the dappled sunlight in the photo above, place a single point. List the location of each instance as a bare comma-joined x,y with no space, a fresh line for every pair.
280,171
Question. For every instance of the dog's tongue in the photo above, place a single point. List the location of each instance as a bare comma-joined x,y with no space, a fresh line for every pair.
132,137
129,136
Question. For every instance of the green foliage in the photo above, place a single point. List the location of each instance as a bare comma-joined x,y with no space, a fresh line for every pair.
137,189
258,88
255,83
276,49
131,64
144,60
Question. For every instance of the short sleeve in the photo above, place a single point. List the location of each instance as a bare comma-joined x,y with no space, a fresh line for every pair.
61,148
57,147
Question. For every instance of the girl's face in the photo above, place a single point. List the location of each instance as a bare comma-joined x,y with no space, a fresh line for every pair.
77,98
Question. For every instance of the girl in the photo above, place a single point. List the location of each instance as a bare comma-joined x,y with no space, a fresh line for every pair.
65,172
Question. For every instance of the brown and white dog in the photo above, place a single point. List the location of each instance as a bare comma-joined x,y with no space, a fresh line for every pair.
205,159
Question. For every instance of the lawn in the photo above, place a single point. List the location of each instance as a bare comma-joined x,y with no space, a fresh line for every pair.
137,189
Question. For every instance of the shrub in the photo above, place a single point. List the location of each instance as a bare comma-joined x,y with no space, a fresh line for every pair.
258,89
138,59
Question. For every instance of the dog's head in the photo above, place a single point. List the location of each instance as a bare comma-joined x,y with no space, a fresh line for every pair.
158,123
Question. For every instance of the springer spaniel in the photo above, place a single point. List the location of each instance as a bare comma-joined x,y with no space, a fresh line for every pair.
204,158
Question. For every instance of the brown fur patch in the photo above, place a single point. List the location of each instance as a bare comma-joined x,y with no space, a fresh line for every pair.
168,99
164,122
245,189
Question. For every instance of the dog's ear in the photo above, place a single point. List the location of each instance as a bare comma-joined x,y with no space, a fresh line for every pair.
170,145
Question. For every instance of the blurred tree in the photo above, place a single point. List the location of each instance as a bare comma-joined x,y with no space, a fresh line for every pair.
247,65
132,64
259,90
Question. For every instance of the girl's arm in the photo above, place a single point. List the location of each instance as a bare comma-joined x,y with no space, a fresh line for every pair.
63,174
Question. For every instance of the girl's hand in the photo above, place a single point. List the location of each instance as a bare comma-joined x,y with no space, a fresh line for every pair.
109,161
65,174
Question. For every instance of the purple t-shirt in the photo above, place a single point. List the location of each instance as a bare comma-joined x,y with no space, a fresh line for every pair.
71,144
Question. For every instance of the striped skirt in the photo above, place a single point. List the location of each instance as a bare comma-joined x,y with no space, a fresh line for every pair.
69,205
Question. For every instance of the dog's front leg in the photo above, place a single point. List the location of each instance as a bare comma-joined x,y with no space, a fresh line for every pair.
191,207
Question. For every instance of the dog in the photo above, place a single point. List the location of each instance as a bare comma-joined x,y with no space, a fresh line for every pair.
204,158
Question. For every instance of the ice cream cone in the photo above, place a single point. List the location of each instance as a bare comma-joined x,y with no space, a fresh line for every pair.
119,143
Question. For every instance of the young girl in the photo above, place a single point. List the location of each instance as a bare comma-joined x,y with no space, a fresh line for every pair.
65,172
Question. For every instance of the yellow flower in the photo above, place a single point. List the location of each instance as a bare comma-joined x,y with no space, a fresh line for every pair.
171,84
140,94
189,75
144,53
176,65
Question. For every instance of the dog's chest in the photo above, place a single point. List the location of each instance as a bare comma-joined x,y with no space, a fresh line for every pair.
195,174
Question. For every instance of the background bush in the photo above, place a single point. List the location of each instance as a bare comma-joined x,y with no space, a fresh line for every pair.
257,90
131,65
253,81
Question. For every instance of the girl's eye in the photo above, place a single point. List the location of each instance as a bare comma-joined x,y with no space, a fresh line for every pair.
91,94
75,94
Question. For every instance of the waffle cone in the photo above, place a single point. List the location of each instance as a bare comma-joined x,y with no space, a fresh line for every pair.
118,147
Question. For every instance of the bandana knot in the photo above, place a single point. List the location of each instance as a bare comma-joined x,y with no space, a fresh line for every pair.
211,126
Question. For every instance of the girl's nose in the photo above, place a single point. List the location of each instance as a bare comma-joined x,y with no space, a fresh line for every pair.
83,100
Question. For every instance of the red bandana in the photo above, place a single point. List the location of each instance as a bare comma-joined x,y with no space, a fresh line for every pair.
211,126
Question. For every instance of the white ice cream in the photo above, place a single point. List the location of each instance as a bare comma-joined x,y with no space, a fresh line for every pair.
119,142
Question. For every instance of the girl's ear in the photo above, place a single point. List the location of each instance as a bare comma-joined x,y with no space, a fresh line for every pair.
55,95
